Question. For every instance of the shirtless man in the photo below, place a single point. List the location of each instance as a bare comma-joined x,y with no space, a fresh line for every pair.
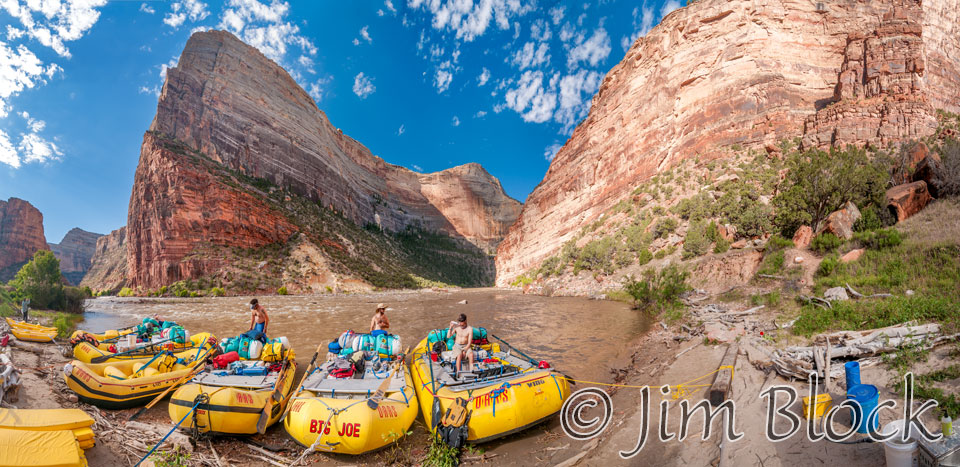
463,336
258,318
380,321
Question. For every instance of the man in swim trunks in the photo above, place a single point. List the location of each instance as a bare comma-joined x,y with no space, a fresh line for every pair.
463,336
380,321
259,319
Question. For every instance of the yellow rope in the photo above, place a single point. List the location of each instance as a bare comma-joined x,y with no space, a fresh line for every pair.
681,390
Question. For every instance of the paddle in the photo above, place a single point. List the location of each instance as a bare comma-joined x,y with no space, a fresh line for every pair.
197,365
529,359
374,401
302,379
275,395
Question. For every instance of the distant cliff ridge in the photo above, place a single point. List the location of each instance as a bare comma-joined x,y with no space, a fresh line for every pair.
75,252
720,73
108,265
21,235
233,128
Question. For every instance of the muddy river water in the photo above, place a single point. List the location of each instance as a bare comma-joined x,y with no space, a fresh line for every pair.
576,335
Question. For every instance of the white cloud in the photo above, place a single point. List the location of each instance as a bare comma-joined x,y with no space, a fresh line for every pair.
356,41
57,21
480,114
531,99
363,85
306,62
180,11
417,168
531,55
147,9
264,27
380,13
19,69
556,14
668,7
540,31
573,106
443,76
484,77
389,5
155,90
592,51
8,155
401,130
365,34
32,147
642,24
455,121
470,20
567,32
317,88
551,151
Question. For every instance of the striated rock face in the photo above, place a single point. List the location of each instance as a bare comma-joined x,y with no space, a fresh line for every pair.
75,252
108,268
716,73
232,104
21,235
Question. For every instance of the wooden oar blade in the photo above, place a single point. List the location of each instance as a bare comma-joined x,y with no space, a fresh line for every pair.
265,416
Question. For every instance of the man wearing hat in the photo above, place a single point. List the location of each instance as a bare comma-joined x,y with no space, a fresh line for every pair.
380,321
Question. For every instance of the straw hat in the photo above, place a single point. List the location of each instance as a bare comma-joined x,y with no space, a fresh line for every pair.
382,306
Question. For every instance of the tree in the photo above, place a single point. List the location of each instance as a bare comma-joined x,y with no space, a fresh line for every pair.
820,182
39,280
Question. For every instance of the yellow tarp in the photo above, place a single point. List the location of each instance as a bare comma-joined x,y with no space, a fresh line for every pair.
40,449
44,419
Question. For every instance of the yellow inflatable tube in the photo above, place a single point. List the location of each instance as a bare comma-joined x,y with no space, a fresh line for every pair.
504,407
348,425
87,353
31,332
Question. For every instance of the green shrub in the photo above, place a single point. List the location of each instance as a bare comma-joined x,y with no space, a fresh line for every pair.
713,232
644,256
596,255
182,293
655,291
826,242
664,227
194,294
871,314
869,220
73,299
879,239
696,242
695,208
772,263
63,325
162,290
721,246
282,290
521,281
39,280
828,266
125,292
776,242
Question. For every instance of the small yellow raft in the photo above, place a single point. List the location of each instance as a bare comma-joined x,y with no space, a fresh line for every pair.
74,420
87,353
129,383
506,395
111,334
58,448
31,332
337,408
231,401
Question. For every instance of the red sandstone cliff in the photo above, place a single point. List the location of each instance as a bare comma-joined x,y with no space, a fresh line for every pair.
21,235
108,266
229,105
75,252
718,73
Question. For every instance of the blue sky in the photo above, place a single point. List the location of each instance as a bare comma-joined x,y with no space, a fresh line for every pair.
426,84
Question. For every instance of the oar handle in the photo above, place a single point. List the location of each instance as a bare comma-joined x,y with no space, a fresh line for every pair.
198,364
529,359
303,378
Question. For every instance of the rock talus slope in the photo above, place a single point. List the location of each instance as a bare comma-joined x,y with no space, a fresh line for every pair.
21,235
718,73
75,252
229,103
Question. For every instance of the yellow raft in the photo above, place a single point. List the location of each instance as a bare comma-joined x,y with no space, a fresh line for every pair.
110,334
129,383
504,396
232,403
31,332
40,448
87,353
75,420
337,408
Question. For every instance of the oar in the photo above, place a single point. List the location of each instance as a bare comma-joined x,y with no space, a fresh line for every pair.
529,359
302,379
197,365
374,401
274,396
104,358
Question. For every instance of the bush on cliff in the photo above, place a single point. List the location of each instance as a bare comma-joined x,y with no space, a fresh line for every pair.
950,156
820,182
658,291
696,242
825,243
665,227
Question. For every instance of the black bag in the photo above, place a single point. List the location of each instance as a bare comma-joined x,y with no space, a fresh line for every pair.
455,436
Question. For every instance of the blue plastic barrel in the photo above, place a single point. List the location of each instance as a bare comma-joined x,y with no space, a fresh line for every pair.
863,417
853,374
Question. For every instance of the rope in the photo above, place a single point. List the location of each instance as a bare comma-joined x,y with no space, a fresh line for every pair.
197,402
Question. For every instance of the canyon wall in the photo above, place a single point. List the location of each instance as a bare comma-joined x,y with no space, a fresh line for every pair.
75,252
108,266
228,104
21,235
751,73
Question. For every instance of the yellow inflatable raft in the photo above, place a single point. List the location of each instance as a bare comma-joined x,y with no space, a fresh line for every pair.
232,399
505,395
40,448
31,332
87,353
337,408
129,383
108,335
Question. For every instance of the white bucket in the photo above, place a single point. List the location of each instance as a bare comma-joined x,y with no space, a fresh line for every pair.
898,453
254,351
284,342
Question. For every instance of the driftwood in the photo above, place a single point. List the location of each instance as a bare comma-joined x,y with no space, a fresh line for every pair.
771,276
822,303
720,389
855,294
